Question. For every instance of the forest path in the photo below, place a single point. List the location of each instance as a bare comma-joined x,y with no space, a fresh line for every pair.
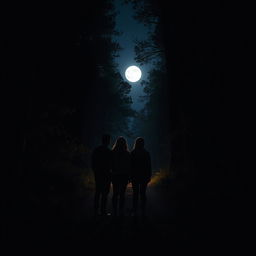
157,228
168,224
58,221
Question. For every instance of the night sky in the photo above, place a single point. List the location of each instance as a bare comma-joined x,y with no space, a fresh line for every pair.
130,30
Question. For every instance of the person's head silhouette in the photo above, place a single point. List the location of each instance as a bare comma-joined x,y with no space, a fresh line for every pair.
105,139
120,144
139,143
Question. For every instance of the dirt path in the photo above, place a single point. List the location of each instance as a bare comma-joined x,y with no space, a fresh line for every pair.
166,226
156,228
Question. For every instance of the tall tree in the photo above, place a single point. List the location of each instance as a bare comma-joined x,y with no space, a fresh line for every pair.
64,88
206,49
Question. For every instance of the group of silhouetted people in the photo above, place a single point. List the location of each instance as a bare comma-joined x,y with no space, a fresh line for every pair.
120,167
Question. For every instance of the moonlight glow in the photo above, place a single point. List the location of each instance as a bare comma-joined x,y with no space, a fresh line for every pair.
133,74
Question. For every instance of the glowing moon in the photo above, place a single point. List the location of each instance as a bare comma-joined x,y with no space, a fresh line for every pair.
133,74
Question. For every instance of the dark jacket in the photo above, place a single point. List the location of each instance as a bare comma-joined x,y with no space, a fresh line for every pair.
101,162
121,163
141,165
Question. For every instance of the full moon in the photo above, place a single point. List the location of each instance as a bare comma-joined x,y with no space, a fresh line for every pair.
133,74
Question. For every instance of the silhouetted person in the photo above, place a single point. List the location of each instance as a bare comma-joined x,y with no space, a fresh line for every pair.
101,165
140,174
121,167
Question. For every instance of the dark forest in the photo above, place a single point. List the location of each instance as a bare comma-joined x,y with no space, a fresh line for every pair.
62,91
